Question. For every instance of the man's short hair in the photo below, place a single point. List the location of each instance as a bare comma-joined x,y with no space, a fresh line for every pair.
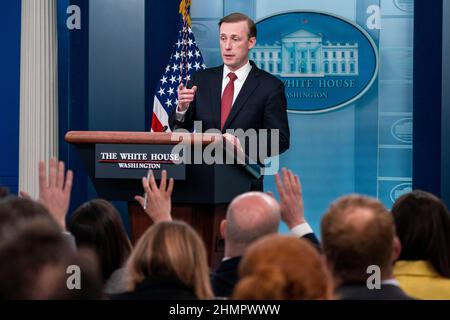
238,17
37,256
351,243
15,210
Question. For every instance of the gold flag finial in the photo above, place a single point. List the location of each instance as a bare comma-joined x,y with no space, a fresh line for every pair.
184,6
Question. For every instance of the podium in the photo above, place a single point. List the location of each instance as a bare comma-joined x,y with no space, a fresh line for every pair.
116,162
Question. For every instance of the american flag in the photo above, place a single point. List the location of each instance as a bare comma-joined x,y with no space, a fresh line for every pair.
184,61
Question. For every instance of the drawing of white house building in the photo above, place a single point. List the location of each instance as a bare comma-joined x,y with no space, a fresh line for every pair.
304,54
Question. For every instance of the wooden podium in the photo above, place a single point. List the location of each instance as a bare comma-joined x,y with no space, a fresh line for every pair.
200,197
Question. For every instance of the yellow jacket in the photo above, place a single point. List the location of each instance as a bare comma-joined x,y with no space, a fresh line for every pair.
419,280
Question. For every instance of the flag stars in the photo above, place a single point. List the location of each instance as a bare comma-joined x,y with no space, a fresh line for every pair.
185,60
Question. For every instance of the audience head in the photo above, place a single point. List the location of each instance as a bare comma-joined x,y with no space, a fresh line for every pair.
4,192
422,222
37,257
96,224
15,210
249,217
279,267
173,250
357,232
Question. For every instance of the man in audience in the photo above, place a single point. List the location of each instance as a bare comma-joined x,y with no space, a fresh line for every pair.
35,260
253,215
360,245
249,217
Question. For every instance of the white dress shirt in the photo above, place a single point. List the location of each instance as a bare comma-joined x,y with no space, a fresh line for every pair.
301,230
241,74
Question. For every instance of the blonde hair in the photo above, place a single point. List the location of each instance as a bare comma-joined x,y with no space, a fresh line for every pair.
280,267
171,249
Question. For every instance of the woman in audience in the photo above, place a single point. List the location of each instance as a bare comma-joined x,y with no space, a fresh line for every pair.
280,267
168,262
423,227
96,224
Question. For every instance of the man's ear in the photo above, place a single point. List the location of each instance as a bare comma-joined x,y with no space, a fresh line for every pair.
223,227
396,249
251,42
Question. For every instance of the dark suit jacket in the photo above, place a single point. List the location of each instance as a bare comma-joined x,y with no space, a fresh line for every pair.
225,277
311,237
158,288
361,292
261,104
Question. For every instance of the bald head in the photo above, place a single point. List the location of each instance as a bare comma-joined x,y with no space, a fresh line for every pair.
249,217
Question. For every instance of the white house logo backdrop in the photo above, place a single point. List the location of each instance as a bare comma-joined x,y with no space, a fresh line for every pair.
325,61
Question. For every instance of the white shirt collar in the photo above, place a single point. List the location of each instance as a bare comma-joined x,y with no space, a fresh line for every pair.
241,73
391,282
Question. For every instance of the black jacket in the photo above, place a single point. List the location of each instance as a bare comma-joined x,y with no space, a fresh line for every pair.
158,288
361,292
261,104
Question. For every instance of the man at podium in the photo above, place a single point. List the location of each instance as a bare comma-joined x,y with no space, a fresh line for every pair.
236,95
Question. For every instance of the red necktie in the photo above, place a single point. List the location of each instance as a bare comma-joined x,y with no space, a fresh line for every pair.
227,99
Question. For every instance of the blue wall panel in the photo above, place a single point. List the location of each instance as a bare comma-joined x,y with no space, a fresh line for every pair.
9,93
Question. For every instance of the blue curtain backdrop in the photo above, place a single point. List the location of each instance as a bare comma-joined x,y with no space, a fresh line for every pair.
9,93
